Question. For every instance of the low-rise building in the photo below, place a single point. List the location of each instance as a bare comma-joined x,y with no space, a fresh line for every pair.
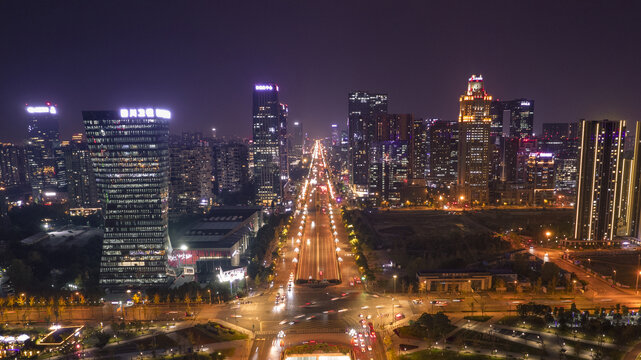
225,234
454,280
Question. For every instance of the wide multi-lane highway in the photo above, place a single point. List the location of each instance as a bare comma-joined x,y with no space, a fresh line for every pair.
311,311
317,258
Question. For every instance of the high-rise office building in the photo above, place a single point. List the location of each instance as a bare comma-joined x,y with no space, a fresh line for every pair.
420,148
130,154
44,159
629,216
12,165
268,118
474,143
527,146
540,176
344,150
364,110
389,168
497,109
554,137
570,150
389,160
600,179
516,154
81,181
335,135
295,138
190,164
521,117
497,140
565,175
231,166
443,151
394,127
284,147
562,140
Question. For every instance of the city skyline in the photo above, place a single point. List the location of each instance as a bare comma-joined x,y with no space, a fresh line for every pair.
288,180
208,85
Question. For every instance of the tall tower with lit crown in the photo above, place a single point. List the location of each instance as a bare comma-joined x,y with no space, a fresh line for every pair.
269,147
44,159
130,155
474,143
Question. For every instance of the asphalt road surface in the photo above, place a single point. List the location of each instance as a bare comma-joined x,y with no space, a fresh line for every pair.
316,313
317,258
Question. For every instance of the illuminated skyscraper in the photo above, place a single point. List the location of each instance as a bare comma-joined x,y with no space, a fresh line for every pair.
389,168
283,151
81,181
269,125
389,157
295,139
474,143
599,191
364,109
443,151
419,148
521,117
540,176
190,163
335,135
497,114
231,166
130,153
12,165
44,159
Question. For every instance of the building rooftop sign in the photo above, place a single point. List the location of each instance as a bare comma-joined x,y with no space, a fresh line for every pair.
145,113
41,109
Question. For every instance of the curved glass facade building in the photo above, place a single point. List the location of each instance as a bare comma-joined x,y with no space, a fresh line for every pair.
130,155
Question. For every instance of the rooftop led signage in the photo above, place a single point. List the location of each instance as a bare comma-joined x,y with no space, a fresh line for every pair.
145,113
41,109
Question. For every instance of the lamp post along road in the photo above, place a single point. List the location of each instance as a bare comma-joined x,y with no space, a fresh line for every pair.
395,283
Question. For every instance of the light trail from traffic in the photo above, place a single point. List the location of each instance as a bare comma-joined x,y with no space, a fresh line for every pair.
317,258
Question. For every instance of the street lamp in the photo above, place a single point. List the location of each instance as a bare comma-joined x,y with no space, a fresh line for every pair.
395,282
183,248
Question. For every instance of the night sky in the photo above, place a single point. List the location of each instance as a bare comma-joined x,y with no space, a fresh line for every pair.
200,59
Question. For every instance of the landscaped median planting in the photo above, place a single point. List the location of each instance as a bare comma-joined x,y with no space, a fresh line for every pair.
317,348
